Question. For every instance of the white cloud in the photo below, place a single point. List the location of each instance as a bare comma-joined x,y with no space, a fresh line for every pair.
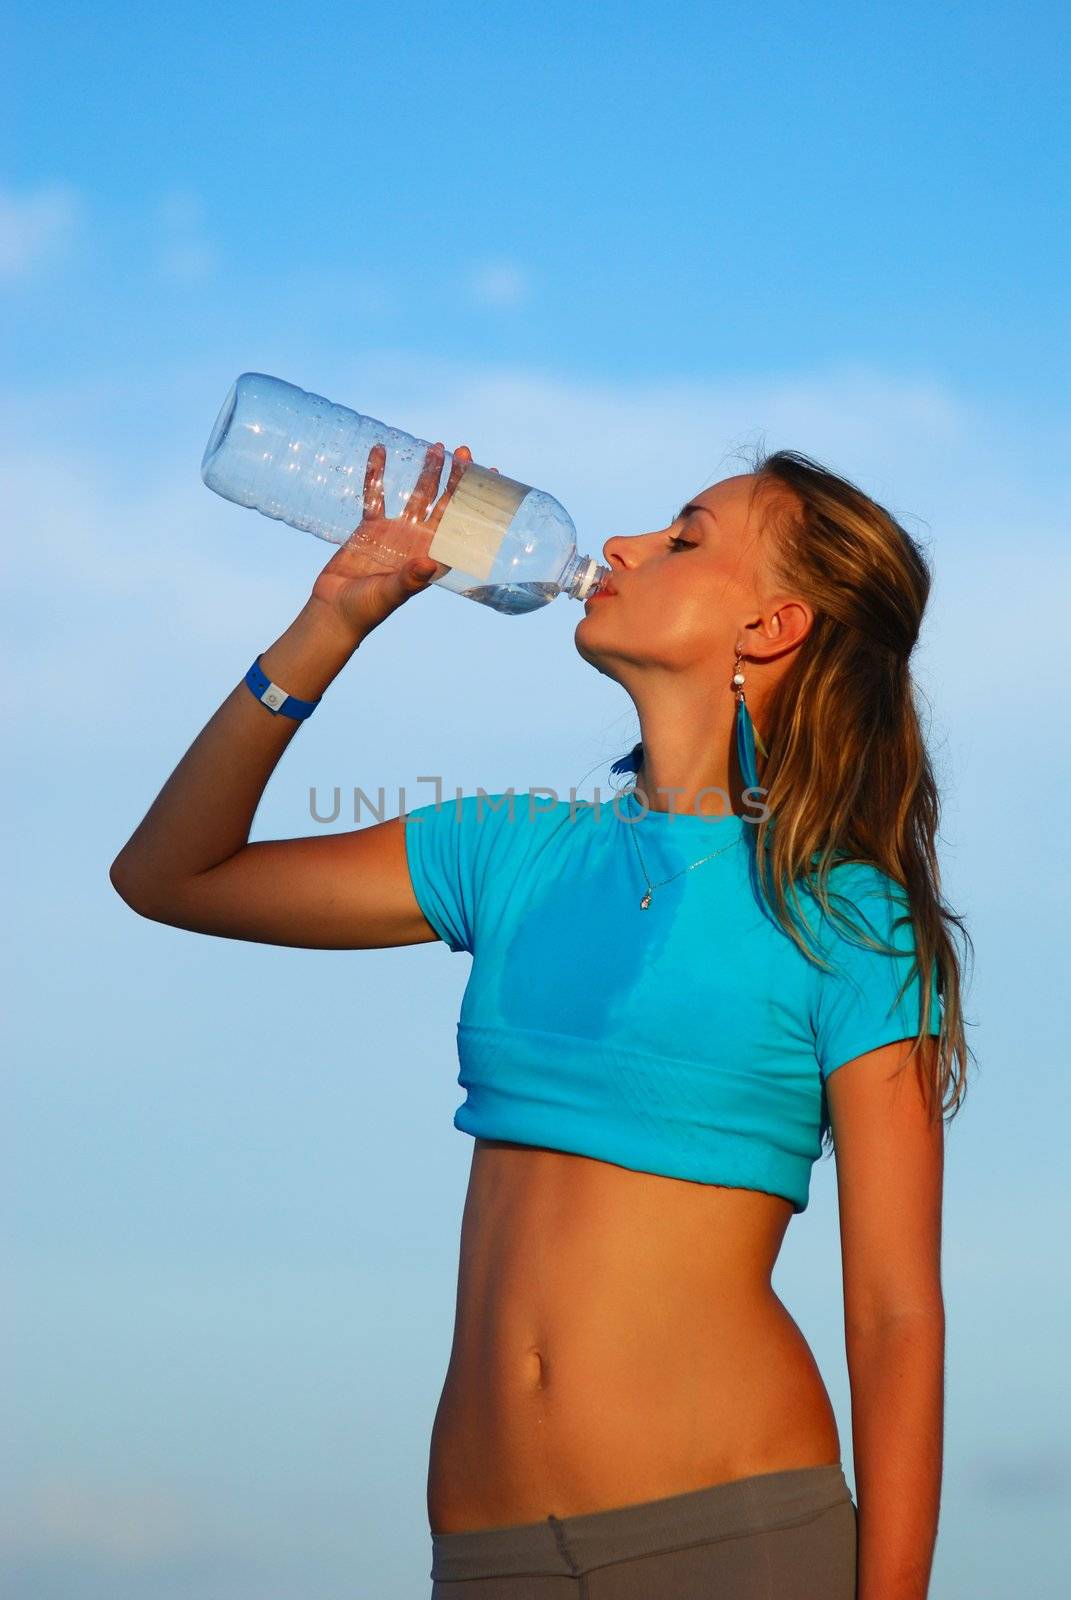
135,597
1029,1472
188,261
181,209
37,229
124,1521
108,569
499,283
184,255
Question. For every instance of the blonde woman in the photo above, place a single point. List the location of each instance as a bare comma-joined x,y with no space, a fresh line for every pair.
678,996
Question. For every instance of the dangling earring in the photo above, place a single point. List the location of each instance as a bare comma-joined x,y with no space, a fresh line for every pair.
746,733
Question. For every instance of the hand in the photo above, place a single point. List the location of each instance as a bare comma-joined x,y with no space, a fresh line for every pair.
385,561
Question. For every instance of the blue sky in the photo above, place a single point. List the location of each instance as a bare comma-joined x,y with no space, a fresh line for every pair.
607,248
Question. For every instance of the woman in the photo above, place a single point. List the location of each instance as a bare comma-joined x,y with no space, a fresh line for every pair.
674,1002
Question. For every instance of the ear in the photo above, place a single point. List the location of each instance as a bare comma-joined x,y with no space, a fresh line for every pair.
783,624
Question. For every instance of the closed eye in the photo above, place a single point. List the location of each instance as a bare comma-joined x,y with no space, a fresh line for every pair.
677,543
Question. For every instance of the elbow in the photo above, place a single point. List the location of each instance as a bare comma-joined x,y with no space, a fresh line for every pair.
117,878
127,888
918,1317
156,901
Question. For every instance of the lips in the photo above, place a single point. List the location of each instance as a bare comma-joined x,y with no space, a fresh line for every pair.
602,591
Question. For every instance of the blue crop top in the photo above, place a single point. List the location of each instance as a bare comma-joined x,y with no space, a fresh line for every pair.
693,1039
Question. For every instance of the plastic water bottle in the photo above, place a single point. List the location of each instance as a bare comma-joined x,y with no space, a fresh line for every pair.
301,459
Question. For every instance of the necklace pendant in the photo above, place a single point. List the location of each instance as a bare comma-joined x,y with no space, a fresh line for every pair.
646,901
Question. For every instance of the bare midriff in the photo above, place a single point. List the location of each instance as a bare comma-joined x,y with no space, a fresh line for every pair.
617,1339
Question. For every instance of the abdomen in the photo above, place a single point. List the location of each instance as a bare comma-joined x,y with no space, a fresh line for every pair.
617,1340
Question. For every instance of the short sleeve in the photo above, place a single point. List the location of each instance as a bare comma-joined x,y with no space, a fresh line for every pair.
857,1008
447,848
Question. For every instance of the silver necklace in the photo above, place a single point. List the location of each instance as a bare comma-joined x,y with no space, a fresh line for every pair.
651,887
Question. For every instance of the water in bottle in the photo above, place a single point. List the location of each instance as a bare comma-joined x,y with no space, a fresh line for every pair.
300,458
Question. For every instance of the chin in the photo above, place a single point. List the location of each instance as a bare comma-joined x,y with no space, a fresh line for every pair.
586,653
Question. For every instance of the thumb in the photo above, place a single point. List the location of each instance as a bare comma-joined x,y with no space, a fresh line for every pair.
416,573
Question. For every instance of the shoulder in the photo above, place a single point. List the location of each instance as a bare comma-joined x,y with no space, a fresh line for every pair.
455,845
502,820
864,900
871,994
465,811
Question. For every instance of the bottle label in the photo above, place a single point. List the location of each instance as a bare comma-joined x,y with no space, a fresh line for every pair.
474,523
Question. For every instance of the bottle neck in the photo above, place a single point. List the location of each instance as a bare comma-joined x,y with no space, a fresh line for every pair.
581,577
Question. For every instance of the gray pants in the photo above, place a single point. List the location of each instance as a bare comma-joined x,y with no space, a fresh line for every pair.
776,1536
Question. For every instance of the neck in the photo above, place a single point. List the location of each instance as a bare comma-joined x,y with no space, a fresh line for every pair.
688,731
691,768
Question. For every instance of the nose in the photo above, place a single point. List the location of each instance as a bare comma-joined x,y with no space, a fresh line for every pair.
625,552
614,551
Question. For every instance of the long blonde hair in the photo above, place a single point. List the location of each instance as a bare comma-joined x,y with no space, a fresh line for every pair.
848,776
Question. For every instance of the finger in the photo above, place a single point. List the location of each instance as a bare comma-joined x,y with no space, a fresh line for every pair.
461,462
373,483
415,575
426,483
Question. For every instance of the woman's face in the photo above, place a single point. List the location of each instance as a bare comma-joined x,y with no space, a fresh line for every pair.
682,596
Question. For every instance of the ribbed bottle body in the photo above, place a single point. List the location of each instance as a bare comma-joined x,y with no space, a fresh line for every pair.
301,459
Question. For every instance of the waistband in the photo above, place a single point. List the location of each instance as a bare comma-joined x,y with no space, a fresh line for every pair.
570,1546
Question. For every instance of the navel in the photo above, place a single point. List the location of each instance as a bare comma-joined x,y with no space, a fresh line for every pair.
538,1368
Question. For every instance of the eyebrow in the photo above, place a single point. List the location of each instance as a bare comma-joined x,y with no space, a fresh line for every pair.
691,505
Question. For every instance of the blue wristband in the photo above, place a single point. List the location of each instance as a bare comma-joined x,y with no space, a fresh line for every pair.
269,694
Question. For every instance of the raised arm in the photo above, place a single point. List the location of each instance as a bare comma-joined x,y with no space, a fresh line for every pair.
190,863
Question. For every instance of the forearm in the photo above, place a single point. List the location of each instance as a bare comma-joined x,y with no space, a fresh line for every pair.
205,810
897,1384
